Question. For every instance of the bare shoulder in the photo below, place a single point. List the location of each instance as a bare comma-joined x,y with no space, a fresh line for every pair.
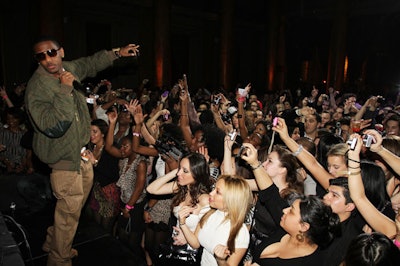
204,200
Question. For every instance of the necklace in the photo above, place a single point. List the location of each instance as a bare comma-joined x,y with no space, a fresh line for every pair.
98,152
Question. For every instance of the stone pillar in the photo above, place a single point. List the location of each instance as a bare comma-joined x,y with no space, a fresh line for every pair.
337,52
273,30
226,59
162,42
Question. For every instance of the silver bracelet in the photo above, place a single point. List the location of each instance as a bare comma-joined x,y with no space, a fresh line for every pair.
299,149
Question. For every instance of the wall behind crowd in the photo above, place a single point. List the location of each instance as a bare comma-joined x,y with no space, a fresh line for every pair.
88,26
269,40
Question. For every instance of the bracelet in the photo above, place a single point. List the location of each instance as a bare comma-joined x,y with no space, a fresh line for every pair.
241,99
240,116
258,166
148,209
358,167
116,52
354,173
180,224
129,207
5,97
297,152
353,160
396,243
135,134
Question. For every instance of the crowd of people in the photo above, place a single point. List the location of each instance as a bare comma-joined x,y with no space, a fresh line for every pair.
207,176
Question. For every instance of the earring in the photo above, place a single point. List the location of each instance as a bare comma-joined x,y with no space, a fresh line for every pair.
300,236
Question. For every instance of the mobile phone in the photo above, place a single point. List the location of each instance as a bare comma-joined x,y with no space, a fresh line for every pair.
84,155
166,116
275,121
241,151
90,100
165,94
242,92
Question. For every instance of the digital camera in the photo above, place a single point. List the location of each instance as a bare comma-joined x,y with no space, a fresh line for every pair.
217,99
170,146
367,141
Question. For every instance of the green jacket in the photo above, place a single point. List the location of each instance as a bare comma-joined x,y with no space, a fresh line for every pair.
59,113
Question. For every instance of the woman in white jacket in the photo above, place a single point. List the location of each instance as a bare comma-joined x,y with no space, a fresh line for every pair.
221,231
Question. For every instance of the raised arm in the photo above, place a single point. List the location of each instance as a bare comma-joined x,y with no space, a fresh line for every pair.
229,162
390,158
136,111
184,120
241,99
110,148
3,93
162,185
217,115
151,121
306,158
377,220
332,94
263,180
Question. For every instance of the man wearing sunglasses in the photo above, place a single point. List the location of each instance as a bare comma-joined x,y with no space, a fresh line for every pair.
61,121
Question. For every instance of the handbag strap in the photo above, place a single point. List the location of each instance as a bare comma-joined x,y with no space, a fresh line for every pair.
128,226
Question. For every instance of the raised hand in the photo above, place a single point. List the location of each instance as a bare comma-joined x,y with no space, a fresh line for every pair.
112,117
281,128
376,145
131,107
129,50
204,151
138,115
250,155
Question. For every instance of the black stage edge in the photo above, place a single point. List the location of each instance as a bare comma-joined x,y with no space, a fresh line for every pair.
94,245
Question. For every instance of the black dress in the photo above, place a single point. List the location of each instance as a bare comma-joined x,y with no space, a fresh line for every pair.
271,199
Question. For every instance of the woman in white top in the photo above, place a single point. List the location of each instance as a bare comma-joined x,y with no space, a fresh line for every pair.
222,232
191,184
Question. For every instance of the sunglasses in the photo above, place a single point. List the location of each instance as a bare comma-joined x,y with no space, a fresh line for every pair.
42,56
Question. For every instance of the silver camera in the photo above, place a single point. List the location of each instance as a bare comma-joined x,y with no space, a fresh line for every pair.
367,141
217,100
232,135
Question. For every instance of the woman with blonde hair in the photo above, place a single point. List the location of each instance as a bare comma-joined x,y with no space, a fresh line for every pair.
222,231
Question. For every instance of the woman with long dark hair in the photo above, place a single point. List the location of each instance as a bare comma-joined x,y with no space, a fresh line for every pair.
191,184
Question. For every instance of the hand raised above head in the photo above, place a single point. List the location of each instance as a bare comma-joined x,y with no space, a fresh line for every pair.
129,50
132,105
112,117
376,145
250,155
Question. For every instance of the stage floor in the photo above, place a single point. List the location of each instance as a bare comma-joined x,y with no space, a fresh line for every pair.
94,245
